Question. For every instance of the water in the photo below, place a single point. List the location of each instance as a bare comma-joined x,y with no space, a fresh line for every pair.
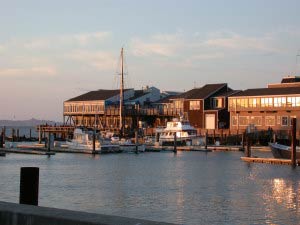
187,188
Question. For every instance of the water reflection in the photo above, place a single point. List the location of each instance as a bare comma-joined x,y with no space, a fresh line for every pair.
285,193
185,188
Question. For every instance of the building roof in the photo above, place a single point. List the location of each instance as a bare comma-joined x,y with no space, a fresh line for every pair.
137,94
290,79
165,99
96,95
268,91
201,93
228,93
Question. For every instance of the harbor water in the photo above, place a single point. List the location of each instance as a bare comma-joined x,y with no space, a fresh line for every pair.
184,188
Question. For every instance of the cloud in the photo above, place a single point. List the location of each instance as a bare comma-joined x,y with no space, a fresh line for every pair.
238,42
80,39
38,44
182,49
85,38
165,45
97,59
41,71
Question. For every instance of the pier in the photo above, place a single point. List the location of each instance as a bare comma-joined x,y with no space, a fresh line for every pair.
279,161
269,161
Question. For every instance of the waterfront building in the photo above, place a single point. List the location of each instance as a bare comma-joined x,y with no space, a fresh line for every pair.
101,108
266,108
205,107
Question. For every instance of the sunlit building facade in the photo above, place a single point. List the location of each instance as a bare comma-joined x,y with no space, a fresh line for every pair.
266,108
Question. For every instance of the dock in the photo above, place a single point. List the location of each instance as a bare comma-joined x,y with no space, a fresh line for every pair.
179,148
225,148
269,161
28,151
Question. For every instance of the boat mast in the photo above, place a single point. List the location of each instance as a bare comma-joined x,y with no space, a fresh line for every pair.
122,95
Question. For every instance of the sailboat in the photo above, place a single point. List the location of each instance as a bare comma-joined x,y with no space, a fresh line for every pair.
125,145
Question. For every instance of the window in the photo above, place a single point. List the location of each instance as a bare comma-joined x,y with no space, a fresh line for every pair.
278,120
238,103
217,102
297,101
232,103
194,105
284,121
256,120
270,120
266,102
289,101
253,102
277,102
244,103
243,120
178,104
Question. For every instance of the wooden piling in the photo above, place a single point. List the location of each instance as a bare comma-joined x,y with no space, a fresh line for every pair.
136,142
49,142
4,135
294,142
40,134
243,141
29,185
274,137
1,139
206,133
13,134
94,142
248,150
175,143
18,134
30,133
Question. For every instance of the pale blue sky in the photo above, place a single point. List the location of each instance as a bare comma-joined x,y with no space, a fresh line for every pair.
54,50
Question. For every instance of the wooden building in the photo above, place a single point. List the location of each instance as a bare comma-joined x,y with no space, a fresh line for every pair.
205,107
101,108
266,108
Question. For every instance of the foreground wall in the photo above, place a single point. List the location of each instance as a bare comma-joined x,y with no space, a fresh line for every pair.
16,214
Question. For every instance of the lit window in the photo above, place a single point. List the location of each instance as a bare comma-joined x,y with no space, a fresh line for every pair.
243,120
194,105
270,120
256,120
217,102
297,101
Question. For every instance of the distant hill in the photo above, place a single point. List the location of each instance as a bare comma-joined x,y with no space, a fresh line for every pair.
27,123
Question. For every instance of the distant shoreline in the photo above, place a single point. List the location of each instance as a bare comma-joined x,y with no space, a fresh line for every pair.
27,123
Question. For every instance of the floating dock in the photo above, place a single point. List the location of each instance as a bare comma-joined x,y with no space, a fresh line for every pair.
28,151
269,161
179,148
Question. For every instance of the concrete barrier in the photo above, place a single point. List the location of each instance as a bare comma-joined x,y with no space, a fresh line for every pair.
17,214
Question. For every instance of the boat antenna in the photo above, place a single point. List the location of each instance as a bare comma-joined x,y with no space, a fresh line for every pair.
122,93
298,55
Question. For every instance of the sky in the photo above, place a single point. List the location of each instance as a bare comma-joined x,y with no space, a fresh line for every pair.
54,50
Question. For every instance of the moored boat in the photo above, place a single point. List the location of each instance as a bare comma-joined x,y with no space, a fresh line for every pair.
83,140
184,131
282,151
